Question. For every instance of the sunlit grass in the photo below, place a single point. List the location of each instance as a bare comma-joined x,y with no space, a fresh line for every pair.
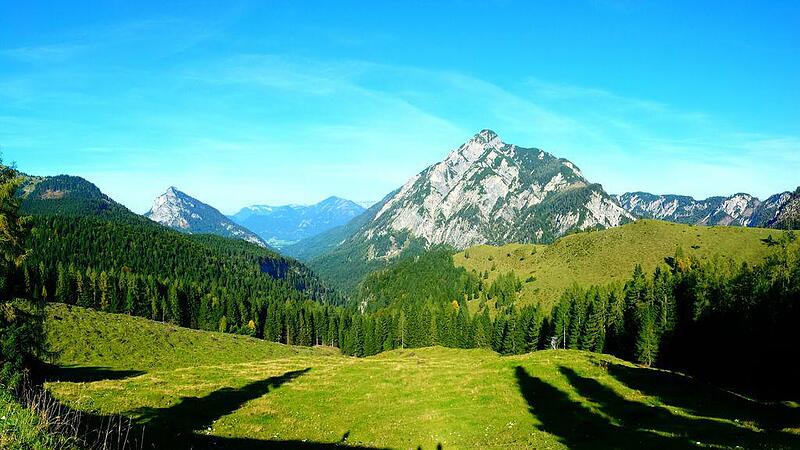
409,398
609,256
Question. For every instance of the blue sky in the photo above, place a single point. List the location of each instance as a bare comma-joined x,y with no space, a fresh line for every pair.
275,102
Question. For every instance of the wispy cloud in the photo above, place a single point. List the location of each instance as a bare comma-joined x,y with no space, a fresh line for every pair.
43,54
293,129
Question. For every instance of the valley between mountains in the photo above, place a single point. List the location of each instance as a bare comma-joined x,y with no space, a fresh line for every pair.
496,299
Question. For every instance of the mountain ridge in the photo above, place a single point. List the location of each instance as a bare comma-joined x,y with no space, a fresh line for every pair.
484,191
740,209
287,224
182,212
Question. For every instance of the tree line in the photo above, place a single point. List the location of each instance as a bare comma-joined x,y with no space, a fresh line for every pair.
727,322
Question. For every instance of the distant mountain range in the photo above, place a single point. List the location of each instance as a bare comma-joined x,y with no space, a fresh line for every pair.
788,215
485,191
739,209
182,212
280,226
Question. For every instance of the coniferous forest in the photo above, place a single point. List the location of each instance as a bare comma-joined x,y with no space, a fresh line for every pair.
697,317
399,225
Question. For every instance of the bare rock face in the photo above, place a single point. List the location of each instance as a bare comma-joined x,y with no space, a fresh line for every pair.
737,210
487,192
787,215
189,215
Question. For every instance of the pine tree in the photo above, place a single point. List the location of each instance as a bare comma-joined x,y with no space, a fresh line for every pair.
27,280
560,322
14,229
81,295
532,328
664,299
482,329
499,333
518,345
357,337
174,304
462,325
646,349
402,329
304,335
132,294
593,339
62,285
576,319
223,325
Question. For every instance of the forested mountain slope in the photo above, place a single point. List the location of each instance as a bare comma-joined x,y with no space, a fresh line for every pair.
538,274
67,195
88,250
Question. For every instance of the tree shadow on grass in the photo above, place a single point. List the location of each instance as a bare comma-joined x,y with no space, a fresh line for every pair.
176,427
84,374
579,427
705,400
638,416
196,413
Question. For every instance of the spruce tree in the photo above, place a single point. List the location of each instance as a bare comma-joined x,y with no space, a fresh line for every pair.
532,328
593,338
62,285
576,320
646,349
498,333
509,341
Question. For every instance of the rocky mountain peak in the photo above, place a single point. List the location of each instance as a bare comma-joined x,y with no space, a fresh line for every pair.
182,212
488,191
486,136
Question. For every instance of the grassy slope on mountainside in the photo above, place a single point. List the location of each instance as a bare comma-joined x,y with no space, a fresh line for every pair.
89,338
233,392
609,256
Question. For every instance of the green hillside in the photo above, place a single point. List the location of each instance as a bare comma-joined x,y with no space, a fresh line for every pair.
221,391
69,196
83,337
88,250
607,256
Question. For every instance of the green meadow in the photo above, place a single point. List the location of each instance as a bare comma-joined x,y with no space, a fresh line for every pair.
610,255
199,389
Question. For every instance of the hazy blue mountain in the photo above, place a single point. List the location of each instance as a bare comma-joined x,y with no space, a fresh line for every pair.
182,212
285,225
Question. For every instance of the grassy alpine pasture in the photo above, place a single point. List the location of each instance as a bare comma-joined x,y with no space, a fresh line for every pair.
221,391
85,338
608,256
